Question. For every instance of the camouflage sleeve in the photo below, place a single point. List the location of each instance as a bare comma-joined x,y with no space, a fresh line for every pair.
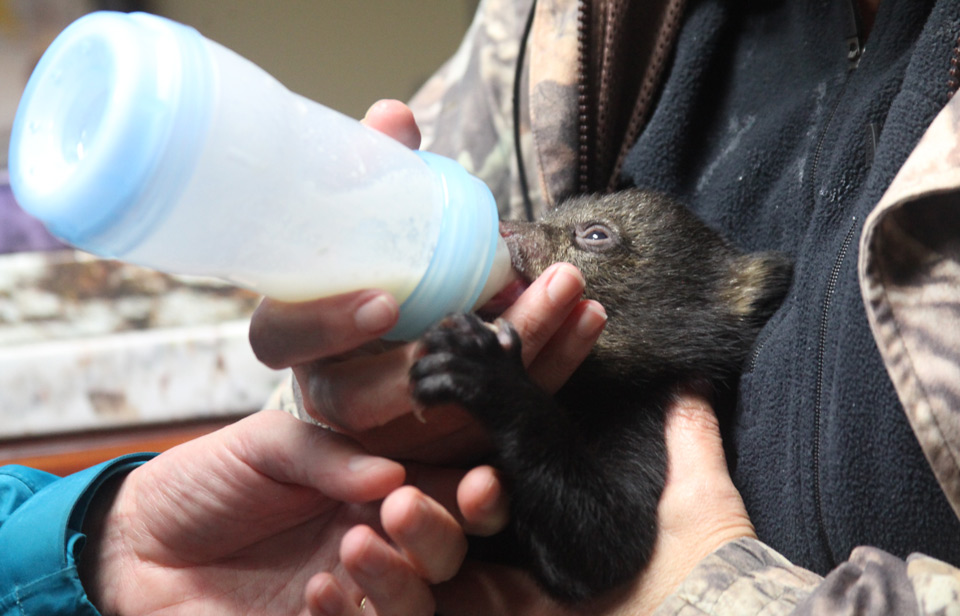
747,578
910,281
465,111
744,577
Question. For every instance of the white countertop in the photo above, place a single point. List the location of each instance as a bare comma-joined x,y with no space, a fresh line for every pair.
87,344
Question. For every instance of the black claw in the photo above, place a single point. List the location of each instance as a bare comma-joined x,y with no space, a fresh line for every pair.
462,358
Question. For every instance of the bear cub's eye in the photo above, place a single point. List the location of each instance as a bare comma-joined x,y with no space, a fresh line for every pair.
596,237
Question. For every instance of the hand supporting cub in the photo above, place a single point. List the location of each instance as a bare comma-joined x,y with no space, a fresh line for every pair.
700,510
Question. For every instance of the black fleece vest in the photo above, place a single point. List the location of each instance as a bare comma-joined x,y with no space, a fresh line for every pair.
770,134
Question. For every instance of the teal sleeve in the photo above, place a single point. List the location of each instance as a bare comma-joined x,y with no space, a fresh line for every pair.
41,516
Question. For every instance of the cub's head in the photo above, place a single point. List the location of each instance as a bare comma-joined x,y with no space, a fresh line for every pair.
665,279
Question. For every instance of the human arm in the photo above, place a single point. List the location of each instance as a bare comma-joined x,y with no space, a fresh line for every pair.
250,519
41,519
241,519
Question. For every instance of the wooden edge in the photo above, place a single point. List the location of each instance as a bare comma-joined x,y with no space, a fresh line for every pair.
64,454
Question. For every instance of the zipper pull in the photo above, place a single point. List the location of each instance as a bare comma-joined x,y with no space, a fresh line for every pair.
854,52
853,36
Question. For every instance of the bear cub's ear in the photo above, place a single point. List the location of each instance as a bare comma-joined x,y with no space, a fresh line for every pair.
761,281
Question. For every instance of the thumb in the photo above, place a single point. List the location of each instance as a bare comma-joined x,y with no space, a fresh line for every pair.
694,444
700,508
699,497
288,451
395,119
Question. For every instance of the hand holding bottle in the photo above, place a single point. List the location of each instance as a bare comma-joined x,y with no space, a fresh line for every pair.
353,381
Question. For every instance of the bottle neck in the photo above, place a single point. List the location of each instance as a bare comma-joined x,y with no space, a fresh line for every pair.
466,250
501,274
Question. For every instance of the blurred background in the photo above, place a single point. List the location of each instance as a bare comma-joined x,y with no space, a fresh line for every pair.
343,53
98,358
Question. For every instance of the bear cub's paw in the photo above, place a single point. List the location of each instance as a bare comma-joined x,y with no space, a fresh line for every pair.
465,360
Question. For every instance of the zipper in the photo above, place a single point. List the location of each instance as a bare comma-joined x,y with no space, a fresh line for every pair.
954,80
818,395
642,107
584,93
814,167
854,53
612,106
517,84
855,50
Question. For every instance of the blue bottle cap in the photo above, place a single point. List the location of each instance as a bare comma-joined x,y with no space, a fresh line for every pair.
109,127
464,254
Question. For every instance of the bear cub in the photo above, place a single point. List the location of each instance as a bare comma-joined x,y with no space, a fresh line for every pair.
585,467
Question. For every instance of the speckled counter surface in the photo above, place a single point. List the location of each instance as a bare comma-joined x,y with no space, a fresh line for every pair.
88,344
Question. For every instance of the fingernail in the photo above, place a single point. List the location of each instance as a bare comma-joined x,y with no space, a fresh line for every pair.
376,315
565,285
591,322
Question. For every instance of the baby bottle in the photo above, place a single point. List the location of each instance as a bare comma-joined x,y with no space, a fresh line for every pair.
141,140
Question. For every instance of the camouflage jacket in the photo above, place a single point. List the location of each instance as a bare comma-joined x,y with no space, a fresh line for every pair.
578,115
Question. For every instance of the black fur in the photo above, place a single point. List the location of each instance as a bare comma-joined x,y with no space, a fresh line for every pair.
586,467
